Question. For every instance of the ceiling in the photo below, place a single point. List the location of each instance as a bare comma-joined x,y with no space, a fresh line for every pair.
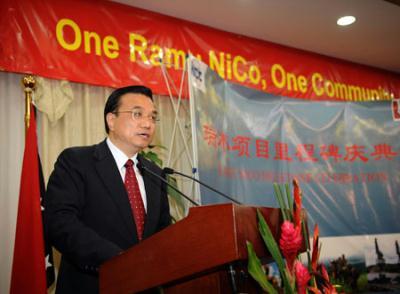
374,39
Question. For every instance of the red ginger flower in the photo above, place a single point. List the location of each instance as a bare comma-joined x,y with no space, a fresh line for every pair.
324,273
315,249
297,203
302,277
328,287
290,243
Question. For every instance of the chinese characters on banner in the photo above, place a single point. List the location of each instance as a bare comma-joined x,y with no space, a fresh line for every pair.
303,152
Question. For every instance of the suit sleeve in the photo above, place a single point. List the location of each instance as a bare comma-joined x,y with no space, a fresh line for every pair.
64,204
165,216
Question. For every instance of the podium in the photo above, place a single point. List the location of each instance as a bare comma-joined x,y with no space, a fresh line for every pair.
203,253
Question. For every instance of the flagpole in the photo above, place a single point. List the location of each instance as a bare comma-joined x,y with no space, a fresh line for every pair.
29,264
29,84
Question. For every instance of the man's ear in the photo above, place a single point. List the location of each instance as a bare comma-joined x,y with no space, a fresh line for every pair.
110,118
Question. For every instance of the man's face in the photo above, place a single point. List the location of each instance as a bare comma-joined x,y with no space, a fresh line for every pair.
132,127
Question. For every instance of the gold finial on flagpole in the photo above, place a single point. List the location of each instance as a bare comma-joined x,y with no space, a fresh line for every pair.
29,84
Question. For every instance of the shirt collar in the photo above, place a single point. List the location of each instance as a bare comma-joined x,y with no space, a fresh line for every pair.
119,156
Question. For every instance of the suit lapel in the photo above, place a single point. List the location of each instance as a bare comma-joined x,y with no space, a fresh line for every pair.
108,172
152,186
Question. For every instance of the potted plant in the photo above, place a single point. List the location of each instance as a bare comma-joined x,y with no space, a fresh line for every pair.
296,277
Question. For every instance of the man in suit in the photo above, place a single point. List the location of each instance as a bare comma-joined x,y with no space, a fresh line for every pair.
93,192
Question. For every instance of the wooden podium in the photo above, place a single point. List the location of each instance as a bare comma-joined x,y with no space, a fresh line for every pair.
194,255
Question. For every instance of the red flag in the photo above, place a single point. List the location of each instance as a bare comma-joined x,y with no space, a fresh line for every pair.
28,270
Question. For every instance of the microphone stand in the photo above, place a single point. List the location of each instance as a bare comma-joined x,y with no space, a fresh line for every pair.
143,168
172,171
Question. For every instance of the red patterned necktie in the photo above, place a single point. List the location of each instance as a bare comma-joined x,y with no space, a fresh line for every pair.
135,199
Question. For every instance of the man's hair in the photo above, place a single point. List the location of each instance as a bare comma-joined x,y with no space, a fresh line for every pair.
113,100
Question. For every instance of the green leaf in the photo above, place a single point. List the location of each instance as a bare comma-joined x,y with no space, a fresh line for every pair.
289,199
157,146
281,202
306,238
256,270
152,156
171,192
273,249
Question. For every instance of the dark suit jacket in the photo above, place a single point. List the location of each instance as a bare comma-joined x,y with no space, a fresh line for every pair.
88,215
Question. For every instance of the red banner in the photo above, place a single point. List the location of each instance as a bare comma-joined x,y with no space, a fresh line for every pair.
106,43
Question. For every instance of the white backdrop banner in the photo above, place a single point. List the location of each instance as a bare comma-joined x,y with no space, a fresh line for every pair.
346,155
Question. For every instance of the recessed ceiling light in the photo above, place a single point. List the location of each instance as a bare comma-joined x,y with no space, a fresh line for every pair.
346,20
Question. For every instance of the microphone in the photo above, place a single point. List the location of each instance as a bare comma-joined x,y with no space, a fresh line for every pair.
142,168
168,170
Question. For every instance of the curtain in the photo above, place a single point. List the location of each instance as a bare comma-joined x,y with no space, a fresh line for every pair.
12,132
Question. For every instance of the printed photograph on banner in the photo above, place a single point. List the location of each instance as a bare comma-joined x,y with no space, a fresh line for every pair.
371,261
197,72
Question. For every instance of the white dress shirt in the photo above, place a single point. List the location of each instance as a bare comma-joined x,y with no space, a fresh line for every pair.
120,158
